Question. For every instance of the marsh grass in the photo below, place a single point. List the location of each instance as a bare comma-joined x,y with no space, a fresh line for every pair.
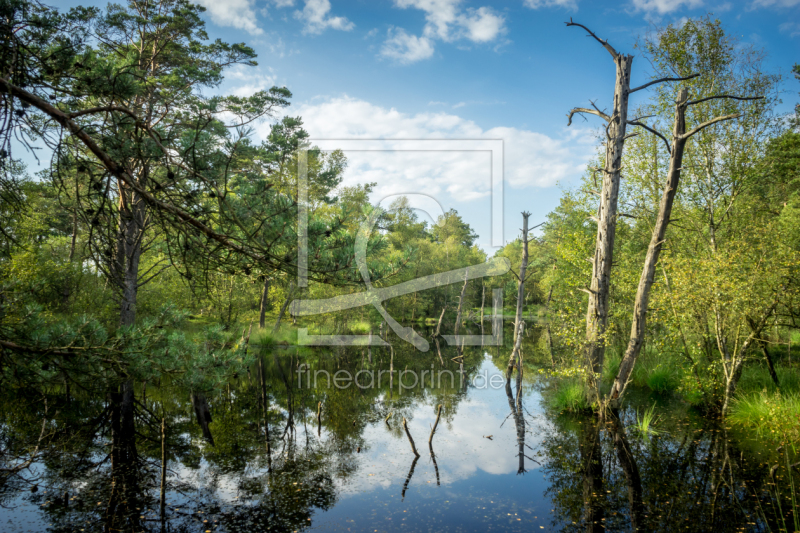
611,367
773,416
657,371
567,395
645,422
757,379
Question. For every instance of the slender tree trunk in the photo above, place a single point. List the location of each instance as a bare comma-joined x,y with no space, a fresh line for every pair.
289,294
763,347
679,139
523,267
638,327
483,301
262,317
133,213
733,367
597,309
458,312
439,323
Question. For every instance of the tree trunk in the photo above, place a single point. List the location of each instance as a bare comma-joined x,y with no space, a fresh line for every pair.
523,267
439,323
763,347
679,139
597,308
289,294
262,316
132,219
203,415
460,307
647,277
483,301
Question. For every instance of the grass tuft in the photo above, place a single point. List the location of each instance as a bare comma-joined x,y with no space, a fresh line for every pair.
646,421
772,415
568,395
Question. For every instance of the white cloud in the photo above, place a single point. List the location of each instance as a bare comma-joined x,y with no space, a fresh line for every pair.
536,4
252,80
665,6
406,48
233,13
532,159
317,18
482,25
792,28
283,3
447,21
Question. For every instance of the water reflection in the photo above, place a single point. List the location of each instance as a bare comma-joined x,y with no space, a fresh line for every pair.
270,453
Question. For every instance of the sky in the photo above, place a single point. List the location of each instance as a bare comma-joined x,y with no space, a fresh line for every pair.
431,71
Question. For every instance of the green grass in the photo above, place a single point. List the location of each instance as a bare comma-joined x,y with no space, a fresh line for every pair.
611,367
657,371
645,422
663,378
772,415
567,395
756,379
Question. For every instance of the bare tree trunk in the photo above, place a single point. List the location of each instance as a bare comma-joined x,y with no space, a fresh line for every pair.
597,308
679,139
523,267
439,323
647,277
262,317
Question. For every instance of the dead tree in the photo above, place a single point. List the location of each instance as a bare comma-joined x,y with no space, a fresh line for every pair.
523,267
616,124
676,150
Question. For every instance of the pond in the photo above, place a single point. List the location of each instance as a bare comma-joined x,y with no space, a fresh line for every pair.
296,445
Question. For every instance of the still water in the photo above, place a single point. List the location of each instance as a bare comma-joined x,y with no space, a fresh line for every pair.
282,452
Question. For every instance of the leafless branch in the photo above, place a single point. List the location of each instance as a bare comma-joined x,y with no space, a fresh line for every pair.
605,44
716,97
661,80
708,123
653,131
595,112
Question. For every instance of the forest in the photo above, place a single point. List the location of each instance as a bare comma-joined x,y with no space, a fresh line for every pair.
150,359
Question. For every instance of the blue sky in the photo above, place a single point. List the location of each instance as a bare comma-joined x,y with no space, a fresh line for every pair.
450,69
